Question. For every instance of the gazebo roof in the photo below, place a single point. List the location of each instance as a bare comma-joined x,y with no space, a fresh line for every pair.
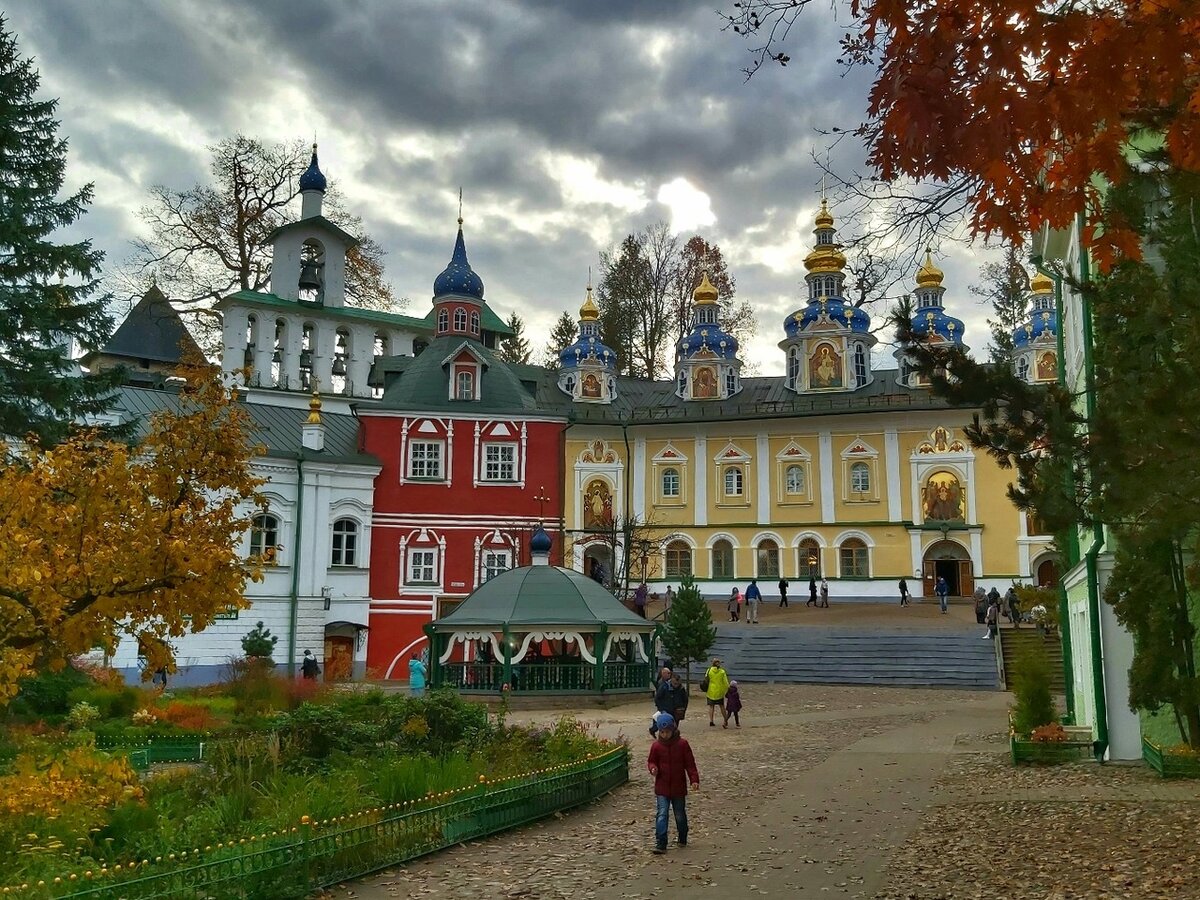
541,596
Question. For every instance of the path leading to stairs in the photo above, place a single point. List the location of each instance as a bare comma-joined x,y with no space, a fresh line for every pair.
853,792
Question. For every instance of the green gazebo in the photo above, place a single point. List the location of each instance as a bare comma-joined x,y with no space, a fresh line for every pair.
542,629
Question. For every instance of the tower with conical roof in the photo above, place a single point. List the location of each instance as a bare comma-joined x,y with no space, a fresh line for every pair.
931,323
706,361
587,368
828,342
1035,343
458,295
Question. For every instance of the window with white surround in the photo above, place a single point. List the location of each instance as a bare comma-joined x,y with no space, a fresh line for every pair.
494,562
733,481
345,543
767,556
809,553
670,482
860,478
425,459
264,536
499,462
853,559
460,319
730,383
422,566
678,559
465,386
793,480
861,370
474,323
443,321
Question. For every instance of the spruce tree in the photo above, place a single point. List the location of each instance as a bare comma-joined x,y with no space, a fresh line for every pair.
515,349
562,335
690,632
46,288
1006,286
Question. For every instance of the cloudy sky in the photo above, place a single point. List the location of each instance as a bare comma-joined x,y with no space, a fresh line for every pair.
568,123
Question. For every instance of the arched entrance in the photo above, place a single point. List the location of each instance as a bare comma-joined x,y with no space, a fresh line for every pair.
949,560
1045,572
598,563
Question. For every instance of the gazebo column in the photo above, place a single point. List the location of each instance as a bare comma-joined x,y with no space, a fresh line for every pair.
601,654
506,640
435,651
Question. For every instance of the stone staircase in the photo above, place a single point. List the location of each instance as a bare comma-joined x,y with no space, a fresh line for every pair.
895,657
1014,641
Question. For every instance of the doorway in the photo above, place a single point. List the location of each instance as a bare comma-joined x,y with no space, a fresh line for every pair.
339,658
1047,573
598,564
951,561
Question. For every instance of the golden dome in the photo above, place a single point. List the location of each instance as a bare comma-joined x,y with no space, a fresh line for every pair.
1041,284
705,292
824,217
589,312
929,275
825,258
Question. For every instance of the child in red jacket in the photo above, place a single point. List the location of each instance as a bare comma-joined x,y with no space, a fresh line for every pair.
672,765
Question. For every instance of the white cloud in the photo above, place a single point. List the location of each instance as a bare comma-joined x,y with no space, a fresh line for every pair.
690,207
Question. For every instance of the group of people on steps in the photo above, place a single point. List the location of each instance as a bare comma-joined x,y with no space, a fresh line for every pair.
753,596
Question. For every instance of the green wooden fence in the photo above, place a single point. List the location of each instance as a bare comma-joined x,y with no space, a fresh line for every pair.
313,855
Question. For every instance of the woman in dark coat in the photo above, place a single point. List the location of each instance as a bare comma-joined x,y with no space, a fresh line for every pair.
812,592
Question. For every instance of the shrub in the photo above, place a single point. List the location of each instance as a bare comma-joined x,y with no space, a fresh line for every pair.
48,693
82,715
259,643
188,716
112,702
1031,688
254,691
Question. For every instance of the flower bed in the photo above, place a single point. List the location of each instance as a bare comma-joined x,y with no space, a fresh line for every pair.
1172,762
1049,744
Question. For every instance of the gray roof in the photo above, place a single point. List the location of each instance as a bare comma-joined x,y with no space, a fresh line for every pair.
275,427
541,596
153,331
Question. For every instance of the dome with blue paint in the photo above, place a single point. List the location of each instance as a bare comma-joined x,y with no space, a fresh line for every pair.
1042,325
458,279
313,179
930,319
540,542
836,309
706,339
588,345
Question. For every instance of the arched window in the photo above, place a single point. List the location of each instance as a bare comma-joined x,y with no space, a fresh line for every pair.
793,480
1023,368
460,319
730,383
443,321
474,323
793,372
345,543
852,557
860,478
733,481
465,389
722,559
683,382
810,558
860,365
264,537
679,559
670,482
768,559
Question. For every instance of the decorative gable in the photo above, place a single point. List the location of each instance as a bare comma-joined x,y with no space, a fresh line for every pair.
859,449
941,440
731,453
670,454
793,452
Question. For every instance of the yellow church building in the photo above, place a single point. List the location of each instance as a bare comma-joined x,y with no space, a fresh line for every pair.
833,469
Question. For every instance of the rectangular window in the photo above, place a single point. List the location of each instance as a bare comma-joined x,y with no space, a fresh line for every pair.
494,562
422,566
499,462
424,459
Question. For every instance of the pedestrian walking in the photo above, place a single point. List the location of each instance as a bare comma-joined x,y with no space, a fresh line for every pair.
715,684
943,592
416,676
993,596
783,586
663,701
825,593
812,592
904,592
733,705
1014,607
672,766
753,597
980,598
639,599
309,668
679,699
992,619
733,605
668,599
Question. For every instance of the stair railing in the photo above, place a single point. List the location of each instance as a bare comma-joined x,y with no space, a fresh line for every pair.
998,646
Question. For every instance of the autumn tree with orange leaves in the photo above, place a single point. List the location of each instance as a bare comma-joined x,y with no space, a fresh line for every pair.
101,541
1034,104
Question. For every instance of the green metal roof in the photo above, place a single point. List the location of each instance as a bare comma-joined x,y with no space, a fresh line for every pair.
541,596
350,313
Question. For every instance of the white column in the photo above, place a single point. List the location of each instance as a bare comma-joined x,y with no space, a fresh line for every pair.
358,366
290,364
915,540
763,452
324,345
826,464
977,552
701,477
891,449
639,478
233,343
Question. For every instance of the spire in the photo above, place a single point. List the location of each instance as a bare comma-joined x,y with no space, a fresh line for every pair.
312,432
458,279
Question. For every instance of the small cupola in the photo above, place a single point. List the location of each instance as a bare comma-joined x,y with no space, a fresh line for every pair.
706,361
539,547
587,368
458,295
312,188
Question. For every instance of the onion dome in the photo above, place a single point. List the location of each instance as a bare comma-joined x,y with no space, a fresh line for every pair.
589,312
313,179
934,322
824,216
825,257
540,542
587,348
929,275
458,279
834,309
705,292
1042,326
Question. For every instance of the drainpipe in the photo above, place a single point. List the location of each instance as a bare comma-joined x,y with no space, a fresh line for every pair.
627,530
1100,746
295,595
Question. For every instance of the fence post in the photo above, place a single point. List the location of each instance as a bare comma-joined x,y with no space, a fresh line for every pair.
601,647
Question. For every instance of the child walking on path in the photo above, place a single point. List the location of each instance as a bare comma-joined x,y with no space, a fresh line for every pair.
672,764
733,705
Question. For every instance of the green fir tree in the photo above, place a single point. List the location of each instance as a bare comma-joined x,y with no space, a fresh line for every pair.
690,632
562,335
515,349
46,288
259,643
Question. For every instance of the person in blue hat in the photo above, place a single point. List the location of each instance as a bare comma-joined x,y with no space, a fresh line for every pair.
672,764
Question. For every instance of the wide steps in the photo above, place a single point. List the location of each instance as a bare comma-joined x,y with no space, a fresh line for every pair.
1014,641
858,657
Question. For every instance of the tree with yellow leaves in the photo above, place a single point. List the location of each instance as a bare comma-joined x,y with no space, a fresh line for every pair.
102,540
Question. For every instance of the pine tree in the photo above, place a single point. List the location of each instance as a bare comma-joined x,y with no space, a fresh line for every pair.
562,335
515,349
259,643
1006,286
690,632
46,288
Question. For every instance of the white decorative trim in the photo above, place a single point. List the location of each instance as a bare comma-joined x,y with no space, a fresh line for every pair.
763,449
853,533
891,449
461,637
700,479
570,636
634,636
721,536
639,477
399,656
731,453
826,460
677,455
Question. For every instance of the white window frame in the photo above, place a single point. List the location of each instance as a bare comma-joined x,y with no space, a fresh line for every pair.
440,475
459,382
338,543
736,473
422,561
863,469
493,562
866,550
673,473
862,368
759,550
443,320
264,536
493,469
673,547
474,322
460,319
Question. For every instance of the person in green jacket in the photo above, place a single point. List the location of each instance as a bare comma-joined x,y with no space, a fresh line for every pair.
718,686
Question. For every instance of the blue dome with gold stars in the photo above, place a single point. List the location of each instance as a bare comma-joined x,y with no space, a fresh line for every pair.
458,279
935,322
708,339
313,179
1043,318
853,318
587,346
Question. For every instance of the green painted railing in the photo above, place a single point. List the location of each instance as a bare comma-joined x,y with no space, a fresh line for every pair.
1169,765
545,676
315,855
1026,751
